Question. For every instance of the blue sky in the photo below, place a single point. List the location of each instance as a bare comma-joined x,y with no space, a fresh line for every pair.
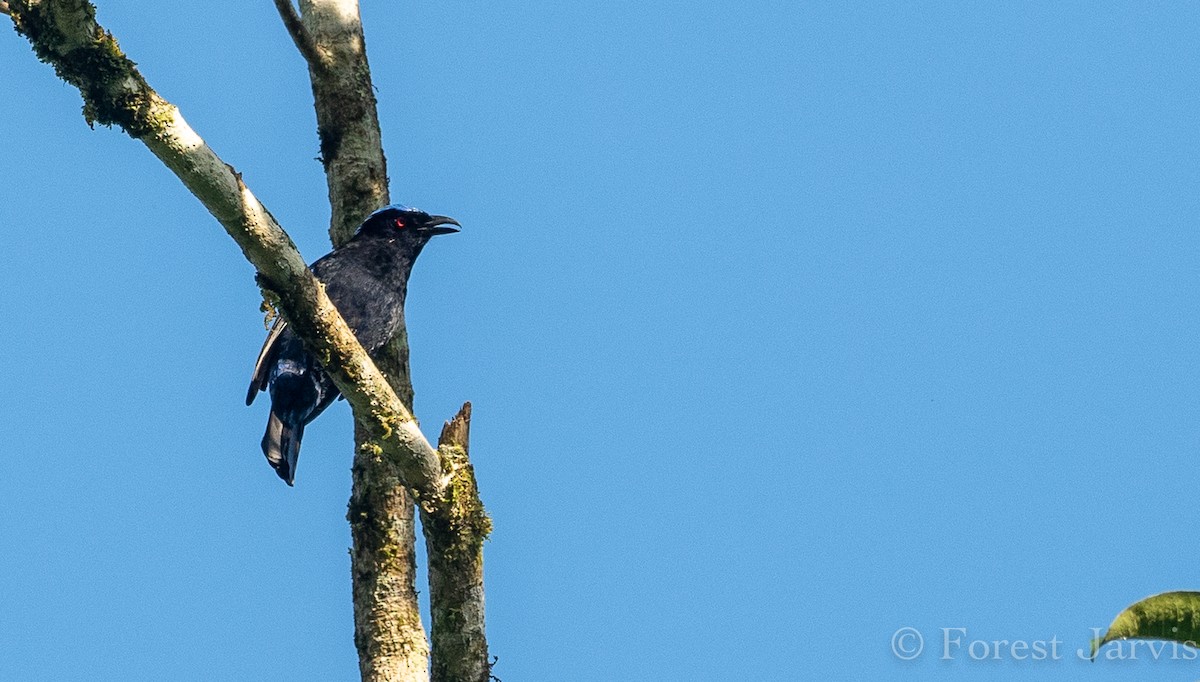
787,326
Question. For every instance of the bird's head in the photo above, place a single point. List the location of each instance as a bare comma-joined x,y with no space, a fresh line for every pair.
409,224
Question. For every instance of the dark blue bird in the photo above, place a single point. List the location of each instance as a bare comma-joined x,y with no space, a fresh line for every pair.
366,279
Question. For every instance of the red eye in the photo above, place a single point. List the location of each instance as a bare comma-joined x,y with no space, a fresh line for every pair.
399,223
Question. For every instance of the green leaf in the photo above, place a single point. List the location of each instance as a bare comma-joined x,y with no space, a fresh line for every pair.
1172,616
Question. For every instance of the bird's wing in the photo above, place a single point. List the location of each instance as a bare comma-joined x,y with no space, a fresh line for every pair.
262,366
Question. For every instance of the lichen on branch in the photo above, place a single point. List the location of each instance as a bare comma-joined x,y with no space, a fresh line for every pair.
66,36
455,526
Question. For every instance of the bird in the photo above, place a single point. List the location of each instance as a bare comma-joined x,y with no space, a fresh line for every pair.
367,280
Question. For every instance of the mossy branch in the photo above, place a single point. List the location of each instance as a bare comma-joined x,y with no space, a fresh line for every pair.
455,526
65,34
347,118
394,453
300,36
388,632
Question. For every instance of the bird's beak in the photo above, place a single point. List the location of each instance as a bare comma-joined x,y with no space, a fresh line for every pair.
440,224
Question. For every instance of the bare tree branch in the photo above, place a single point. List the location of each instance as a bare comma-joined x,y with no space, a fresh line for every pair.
455,528
303,41
65,34
388,631
392,454
347,120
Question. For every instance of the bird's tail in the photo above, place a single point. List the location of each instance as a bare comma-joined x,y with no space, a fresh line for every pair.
281,445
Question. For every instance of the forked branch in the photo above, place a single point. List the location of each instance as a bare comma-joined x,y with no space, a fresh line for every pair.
300,36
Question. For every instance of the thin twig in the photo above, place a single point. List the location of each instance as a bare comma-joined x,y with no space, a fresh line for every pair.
304,43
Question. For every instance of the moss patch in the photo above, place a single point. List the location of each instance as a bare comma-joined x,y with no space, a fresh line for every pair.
114,92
